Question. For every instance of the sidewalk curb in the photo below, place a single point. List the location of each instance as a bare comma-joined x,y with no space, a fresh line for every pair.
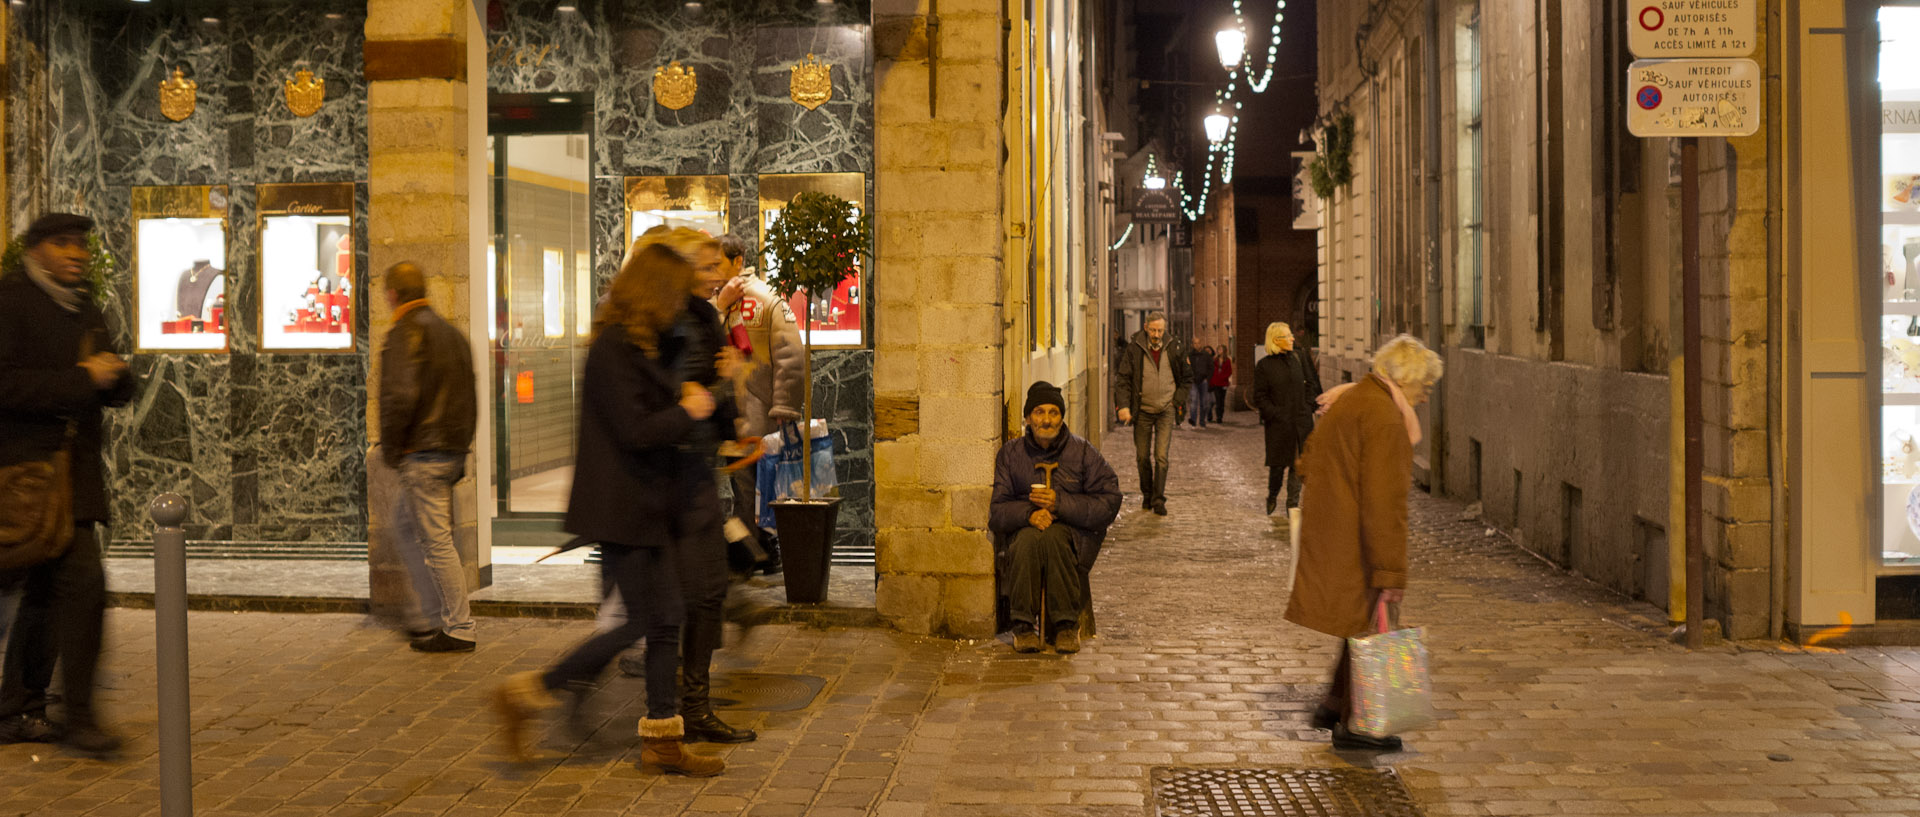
809,615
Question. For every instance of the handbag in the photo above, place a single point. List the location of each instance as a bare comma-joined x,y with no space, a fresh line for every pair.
1392,693
36,508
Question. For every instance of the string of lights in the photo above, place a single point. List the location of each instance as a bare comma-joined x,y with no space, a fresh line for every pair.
1273,47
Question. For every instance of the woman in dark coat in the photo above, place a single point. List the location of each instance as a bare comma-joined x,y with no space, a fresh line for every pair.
1285,387
633,474
1353,535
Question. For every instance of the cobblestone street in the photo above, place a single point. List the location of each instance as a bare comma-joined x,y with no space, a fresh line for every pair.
1556,698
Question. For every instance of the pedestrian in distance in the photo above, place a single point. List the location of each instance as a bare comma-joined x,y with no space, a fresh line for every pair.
632,480
1053,498
58,372
427,415
1222,379
1285,390
1353,542
1150,387
1200,364
773,384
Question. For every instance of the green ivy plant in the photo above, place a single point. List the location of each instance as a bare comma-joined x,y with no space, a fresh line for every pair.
100,264
817,242
1332,166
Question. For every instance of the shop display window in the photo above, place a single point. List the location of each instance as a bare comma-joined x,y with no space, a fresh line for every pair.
1899,284
699,202
308,285
180,268
837,321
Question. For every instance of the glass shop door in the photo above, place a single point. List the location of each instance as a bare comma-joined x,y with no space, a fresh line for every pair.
540,282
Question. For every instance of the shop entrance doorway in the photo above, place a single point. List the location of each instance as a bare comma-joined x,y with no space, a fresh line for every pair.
541,285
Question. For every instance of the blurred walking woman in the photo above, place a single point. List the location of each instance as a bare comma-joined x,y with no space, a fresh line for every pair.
630,482
1285,386
1353,539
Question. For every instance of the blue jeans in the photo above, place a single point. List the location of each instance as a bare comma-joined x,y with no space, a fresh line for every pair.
1199,397
423,533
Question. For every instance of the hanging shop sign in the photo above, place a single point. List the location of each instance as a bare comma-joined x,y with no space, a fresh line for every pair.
178,96
179,268
305,93
812,83
1675,29
674,86
1693,98
1155,205
307,281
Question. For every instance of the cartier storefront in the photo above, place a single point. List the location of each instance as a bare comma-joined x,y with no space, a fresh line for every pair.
223,149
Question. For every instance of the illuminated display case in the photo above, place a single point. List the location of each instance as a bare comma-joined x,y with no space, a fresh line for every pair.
699,202
1899,284
838,321
308,288
180,268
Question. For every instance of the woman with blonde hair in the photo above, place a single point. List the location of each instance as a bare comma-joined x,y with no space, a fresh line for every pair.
1285,386
630,482
1353,539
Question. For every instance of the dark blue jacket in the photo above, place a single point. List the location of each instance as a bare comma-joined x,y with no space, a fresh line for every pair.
1089,492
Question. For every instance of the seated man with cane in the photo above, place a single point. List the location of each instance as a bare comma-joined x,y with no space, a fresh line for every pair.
1053,498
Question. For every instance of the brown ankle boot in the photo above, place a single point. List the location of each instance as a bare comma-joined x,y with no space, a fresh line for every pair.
518,701
660,746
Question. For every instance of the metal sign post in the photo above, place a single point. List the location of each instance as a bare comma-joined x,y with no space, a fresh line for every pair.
1690,98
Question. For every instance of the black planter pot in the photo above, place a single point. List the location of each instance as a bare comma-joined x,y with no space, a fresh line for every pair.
806,545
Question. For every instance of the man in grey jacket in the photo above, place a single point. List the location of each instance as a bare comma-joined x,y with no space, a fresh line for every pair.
772,390
427,416
1151,384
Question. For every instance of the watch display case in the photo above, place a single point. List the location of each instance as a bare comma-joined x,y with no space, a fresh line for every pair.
837,319
180,268
699,202
307,278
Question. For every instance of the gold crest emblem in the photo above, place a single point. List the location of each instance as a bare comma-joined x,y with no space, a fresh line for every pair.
305,93
812,83
177,96
674,86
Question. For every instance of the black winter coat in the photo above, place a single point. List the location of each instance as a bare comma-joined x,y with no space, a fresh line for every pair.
702,337
1127,377
631,475
1285,392
42,388
1088,493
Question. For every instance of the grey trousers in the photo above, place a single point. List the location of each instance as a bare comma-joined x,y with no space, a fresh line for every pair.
423,534
1152,436
1043,560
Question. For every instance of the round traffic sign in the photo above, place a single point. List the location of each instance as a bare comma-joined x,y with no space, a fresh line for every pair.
1659,18
1648,97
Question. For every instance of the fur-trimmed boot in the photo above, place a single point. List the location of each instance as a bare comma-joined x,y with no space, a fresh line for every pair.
518,700
661,746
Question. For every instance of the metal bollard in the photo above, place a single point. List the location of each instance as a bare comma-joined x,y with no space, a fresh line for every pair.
170,633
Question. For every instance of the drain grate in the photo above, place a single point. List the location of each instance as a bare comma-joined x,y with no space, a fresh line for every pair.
1280,792
765,691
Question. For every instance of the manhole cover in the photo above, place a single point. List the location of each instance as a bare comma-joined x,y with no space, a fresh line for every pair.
1280,792
765,691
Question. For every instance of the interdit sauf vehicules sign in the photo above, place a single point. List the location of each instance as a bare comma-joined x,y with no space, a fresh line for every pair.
1678,87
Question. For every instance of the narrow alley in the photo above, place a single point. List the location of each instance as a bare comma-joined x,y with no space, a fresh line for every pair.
1556,697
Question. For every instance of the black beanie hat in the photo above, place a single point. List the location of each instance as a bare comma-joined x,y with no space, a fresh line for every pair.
52,224
1043,393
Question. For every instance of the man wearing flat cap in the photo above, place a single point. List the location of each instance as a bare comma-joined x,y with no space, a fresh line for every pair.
58,370
1053,498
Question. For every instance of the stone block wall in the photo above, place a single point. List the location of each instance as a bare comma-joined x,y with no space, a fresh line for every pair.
938,369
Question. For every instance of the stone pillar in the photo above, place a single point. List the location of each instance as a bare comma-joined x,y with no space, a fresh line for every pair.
421,105
938,337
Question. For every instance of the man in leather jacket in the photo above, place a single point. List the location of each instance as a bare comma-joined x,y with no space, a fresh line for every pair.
427,416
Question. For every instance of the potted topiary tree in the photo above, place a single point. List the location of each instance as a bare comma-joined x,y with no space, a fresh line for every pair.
816,243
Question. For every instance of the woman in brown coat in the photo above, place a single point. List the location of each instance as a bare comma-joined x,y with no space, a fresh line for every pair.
1358,465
